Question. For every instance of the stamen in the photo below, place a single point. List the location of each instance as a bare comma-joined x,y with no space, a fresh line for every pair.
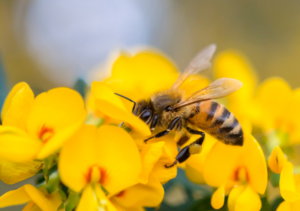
241,175
45,133
95,175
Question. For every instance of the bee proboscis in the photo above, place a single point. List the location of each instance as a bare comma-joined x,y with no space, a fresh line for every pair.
171,111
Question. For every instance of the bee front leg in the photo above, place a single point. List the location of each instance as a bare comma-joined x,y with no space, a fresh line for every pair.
165,132
193,148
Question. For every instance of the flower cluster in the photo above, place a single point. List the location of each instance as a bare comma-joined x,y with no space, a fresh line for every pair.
92,155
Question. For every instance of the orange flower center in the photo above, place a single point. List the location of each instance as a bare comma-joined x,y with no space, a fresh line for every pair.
241,175
45,133
95,174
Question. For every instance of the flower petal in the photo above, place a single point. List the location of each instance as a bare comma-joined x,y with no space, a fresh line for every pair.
170,151
77,156
220,164
276,160
89,202
110,104
59,137
11,172
14,197
39,198
58,110
254,160
194,175
30,207
196,162
296,206
248,200
117,154
150,155
56,200
152,64
274,110
233,196
16,145
232,64
285,206
287,184
17,106
150,194
218,198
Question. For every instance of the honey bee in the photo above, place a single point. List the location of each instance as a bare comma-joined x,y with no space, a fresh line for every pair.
171,111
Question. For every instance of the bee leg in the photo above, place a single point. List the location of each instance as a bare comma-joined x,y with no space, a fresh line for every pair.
173,164
196,132
194,148
165,132
182,155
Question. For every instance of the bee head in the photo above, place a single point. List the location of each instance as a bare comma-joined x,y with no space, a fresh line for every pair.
144,111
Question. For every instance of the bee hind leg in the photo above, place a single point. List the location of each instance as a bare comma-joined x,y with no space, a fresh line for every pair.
194,148
173,164
196,132
182,155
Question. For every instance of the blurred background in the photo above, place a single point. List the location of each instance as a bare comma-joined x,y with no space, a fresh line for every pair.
53,43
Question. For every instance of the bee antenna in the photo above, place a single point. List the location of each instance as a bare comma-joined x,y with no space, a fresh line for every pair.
134,103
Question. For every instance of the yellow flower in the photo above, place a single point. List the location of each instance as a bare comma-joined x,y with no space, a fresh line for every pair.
155,156
139,76
279,105
289,188
165,152
136,77
140,195
12,172
158,74
233,64
277,160
149,191
288,206
36,200
94,158
34,128
242,171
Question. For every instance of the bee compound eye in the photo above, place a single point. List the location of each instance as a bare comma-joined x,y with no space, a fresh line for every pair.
146,116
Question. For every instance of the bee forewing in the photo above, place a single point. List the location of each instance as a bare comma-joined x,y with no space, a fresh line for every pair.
200,62
223,87
203,56
217,89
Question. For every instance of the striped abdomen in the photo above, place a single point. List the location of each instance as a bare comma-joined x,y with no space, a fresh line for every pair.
216,120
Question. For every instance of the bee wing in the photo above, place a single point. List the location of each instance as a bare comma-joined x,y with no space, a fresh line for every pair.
217,89
200,62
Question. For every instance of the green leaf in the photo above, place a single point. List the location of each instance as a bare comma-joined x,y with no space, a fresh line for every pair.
73,200
53,183
61,206
265,204
276,202
47,165
81,87
275,179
